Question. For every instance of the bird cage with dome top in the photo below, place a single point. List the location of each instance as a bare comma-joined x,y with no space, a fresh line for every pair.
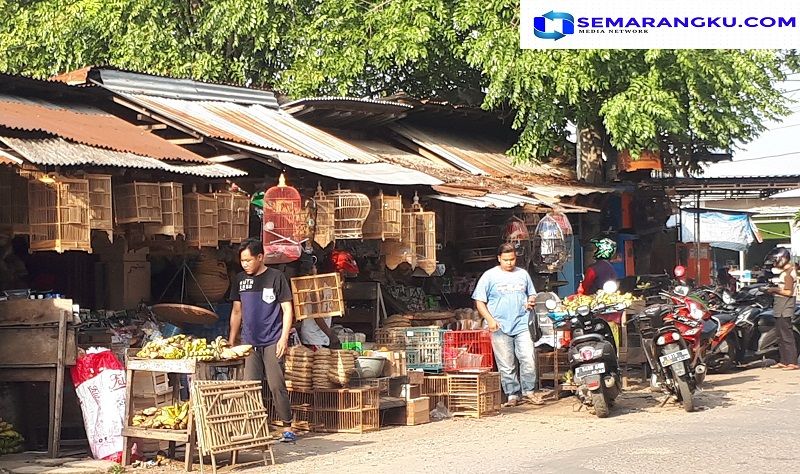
349,213
552,242
284,219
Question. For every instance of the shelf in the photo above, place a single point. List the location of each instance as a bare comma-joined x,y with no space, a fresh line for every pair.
180,436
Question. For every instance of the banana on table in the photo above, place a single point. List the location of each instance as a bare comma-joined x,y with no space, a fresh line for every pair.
10,439
173,417
182,346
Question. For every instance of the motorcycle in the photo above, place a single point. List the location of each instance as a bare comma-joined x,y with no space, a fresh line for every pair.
669,355
755,325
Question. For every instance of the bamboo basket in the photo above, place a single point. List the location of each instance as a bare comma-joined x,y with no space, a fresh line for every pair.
384,220
350,211
138,203
59,214
13,201
425,240
317,296
200,220
404,251
171,211
100,203
323,218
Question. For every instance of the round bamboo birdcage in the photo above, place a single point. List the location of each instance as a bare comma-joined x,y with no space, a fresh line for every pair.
384,220
349,213
323,217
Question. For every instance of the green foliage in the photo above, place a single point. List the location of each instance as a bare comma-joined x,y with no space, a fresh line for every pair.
683,102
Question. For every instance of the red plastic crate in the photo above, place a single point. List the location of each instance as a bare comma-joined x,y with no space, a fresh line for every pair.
468,351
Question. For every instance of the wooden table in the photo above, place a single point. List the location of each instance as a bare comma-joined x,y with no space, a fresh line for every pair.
38,343
198,370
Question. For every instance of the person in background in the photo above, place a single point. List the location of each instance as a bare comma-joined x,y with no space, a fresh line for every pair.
780,260
262,316
601,271
503,296
726,280
317,332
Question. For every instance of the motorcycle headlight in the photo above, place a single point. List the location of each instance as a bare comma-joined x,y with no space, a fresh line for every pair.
583,310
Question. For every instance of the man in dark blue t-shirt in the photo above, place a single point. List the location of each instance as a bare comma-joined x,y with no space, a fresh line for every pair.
262,313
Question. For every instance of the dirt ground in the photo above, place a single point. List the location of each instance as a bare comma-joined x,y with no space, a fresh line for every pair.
557,438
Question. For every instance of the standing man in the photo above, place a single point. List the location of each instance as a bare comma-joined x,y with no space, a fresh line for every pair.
780,261
503,296
262,313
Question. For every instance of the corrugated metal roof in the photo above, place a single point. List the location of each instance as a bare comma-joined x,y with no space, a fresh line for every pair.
60,152
787,164
492,200
188,89
556,191
254,125
330,98
88,125
9,159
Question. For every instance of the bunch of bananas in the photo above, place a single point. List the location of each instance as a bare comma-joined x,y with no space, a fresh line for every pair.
170,348
572,304
182,346
173,417
10,440
614,299
198,349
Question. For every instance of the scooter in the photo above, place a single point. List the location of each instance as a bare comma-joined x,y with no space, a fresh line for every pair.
755,325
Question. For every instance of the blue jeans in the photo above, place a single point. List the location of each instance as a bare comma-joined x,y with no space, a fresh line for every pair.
505,349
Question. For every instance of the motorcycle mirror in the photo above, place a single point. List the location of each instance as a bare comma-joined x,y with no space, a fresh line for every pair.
681,290
727,298
610,286
551,304
583,310
679,271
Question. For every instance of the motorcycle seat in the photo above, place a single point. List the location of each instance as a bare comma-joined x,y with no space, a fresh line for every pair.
725,317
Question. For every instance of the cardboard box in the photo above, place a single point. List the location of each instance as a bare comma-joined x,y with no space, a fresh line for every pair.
418,411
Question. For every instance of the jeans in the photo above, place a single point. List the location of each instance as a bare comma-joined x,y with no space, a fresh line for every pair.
505,349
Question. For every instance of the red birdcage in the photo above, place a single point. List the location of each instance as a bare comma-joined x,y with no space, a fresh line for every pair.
284,220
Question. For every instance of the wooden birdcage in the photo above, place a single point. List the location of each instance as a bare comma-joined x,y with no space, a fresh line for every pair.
200,220
350,210
224,214
404,251
59,214
317,296
323,217
171,211
384,220
13,201
137,203
425,231
240,218
100,203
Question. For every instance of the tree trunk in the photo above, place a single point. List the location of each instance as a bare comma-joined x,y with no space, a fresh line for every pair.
591,138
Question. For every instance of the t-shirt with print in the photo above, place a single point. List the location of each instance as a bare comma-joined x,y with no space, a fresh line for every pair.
506,295
261,297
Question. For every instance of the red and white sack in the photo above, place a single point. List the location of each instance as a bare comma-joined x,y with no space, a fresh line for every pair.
99,379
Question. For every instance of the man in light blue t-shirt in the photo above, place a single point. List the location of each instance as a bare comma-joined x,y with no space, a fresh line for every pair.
503,296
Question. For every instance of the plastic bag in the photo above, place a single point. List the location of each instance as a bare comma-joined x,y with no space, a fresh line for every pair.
440,412
99,380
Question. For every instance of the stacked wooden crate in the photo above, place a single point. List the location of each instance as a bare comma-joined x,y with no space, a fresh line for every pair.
435,388
349,410
474,395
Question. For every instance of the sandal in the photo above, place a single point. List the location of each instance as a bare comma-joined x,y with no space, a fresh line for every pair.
792,367
512,401
778,366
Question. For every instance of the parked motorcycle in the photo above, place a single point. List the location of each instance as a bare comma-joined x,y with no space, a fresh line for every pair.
669,354
755,325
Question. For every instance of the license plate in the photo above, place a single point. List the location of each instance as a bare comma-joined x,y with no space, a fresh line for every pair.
669,359
590,369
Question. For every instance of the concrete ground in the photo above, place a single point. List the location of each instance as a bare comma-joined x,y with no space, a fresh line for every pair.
745,421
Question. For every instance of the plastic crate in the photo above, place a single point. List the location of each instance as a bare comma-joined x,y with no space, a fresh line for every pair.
424,348
468,351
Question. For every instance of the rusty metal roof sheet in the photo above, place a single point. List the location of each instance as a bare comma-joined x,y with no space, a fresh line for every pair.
254,125
88,125
60,152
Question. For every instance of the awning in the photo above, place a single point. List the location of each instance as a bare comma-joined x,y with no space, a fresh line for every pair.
491,200
774,230
60,152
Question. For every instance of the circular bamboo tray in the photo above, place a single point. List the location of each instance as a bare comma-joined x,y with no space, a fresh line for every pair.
179,314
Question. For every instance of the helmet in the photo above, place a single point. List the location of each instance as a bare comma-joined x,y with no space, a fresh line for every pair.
777,258
605,248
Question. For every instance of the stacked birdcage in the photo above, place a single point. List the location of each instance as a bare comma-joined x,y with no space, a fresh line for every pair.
350,211
323,217
137,203
200,215
385,218
100,203
171,212
59,214
425,241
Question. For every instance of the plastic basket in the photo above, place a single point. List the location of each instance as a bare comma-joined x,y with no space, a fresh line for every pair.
468,351
424,348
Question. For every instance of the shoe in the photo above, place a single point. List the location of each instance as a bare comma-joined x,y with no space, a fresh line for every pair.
534,399
288,437
513,401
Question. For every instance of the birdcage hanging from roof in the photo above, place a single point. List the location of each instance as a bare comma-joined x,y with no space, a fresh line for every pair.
284,222
425,236
384,221
349,213
516,233
59,214
552,242
323,217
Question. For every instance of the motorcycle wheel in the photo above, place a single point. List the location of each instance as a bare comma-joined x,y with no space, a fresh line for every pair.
600,404
728,359
684,393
